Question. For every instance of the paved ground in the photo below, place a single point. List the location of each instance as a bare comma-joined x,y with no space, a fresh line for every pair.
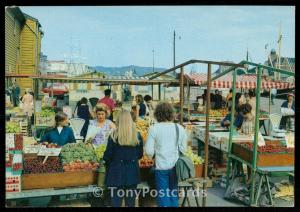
214,199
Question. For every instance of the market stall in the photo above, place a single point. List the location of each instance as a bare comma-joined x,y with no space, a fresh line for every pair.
263,160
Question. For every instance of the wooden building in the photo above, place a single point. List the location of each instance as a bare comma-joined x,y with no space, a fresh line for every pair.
23,36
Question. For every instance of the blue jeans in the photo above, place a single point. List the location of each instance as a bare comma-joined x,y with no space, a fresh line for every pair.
167,188
116,199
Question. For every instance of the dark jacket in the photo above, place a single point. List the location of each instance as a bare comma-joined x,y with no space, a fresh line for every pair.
84,113
122,163
237,122
218,101
66,136
142,111
284,119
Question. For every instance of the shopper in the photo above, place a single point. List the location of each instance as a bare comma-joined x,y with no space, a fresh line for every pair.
84,112
248,119
149,106
109,102
204,97
61,133
288,112
238,118
105,125
15,91
229,98
273,95
122,154
252,101
117,110
27,101
162,143
140,106
218,100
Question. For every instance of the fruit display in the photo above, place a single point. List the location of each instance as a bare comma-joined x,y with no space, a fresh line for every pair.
78,151
146,162
195,158
218,113
79,165
35,165
142,127
268,148
50,145
12,127
264,114
100,151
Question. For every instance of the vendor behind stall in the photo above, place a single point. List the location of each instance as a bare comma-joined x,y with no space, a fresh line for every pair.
61,133
103,123
287,111
238,118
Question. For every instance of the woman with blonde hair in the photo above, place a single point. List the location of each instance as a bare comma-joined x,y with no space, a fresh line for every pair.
123,151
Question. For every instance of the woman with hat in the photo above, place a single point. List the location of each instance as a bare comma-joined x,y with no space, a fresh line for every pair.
287,111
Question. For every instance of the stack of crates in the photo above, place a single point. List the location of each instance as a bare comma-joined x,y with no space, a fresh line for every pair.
13,161
23,121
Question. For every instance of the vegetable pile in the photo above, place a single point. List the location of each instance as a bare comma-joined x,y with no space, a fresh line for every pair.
268,148
78,151
79,165
12,127
195,158
47,111
35,165
100,151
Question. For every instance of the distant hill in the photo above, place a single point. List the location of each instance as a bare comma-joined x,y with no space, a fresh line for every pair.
137,70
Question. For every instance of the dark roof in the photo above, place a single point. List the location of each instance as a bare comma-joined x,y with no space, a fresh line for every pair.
16,11
32,18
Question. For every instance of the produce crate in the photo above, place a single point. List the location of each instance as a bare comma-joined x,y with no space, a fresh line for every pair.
263,158
59,180
44,121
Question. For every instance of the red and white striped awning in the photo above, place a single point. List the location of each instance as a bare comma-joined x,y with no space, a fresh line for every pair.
242,81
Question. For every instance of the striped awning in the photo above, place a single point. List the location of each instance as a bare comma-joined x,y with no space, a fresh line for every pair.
242,81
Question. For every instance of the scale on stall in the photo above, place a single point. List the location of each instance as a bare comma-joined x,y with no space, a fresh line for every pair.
278,133
77,125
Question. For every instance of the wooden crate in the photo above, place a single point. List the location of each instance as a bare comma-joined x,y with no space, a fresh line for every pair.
264,159
59,180
44,121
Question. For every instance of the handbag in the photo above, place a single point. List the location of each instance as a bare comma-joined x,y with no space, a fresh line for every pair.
181,155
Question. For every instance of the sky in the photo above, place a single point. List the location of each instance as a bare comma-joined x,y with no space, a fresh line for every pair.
127,35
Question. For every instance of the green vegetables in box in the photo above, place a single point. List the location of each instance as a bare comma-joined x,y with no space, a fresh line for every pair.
12,127
78,151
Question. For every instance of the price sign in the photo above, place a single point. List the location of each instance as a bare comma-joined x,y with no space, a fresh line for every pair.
10,141
49,152
290,140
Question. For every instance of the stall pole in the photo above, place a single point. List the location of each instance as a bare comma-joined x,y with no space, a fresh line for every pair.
152,90
159,91
269,112
188,96
181,95
231,128
52,90
253,172
207,132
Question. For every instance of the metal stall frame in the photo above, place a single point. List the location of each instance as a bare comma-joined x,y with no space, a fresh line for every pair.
231,157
